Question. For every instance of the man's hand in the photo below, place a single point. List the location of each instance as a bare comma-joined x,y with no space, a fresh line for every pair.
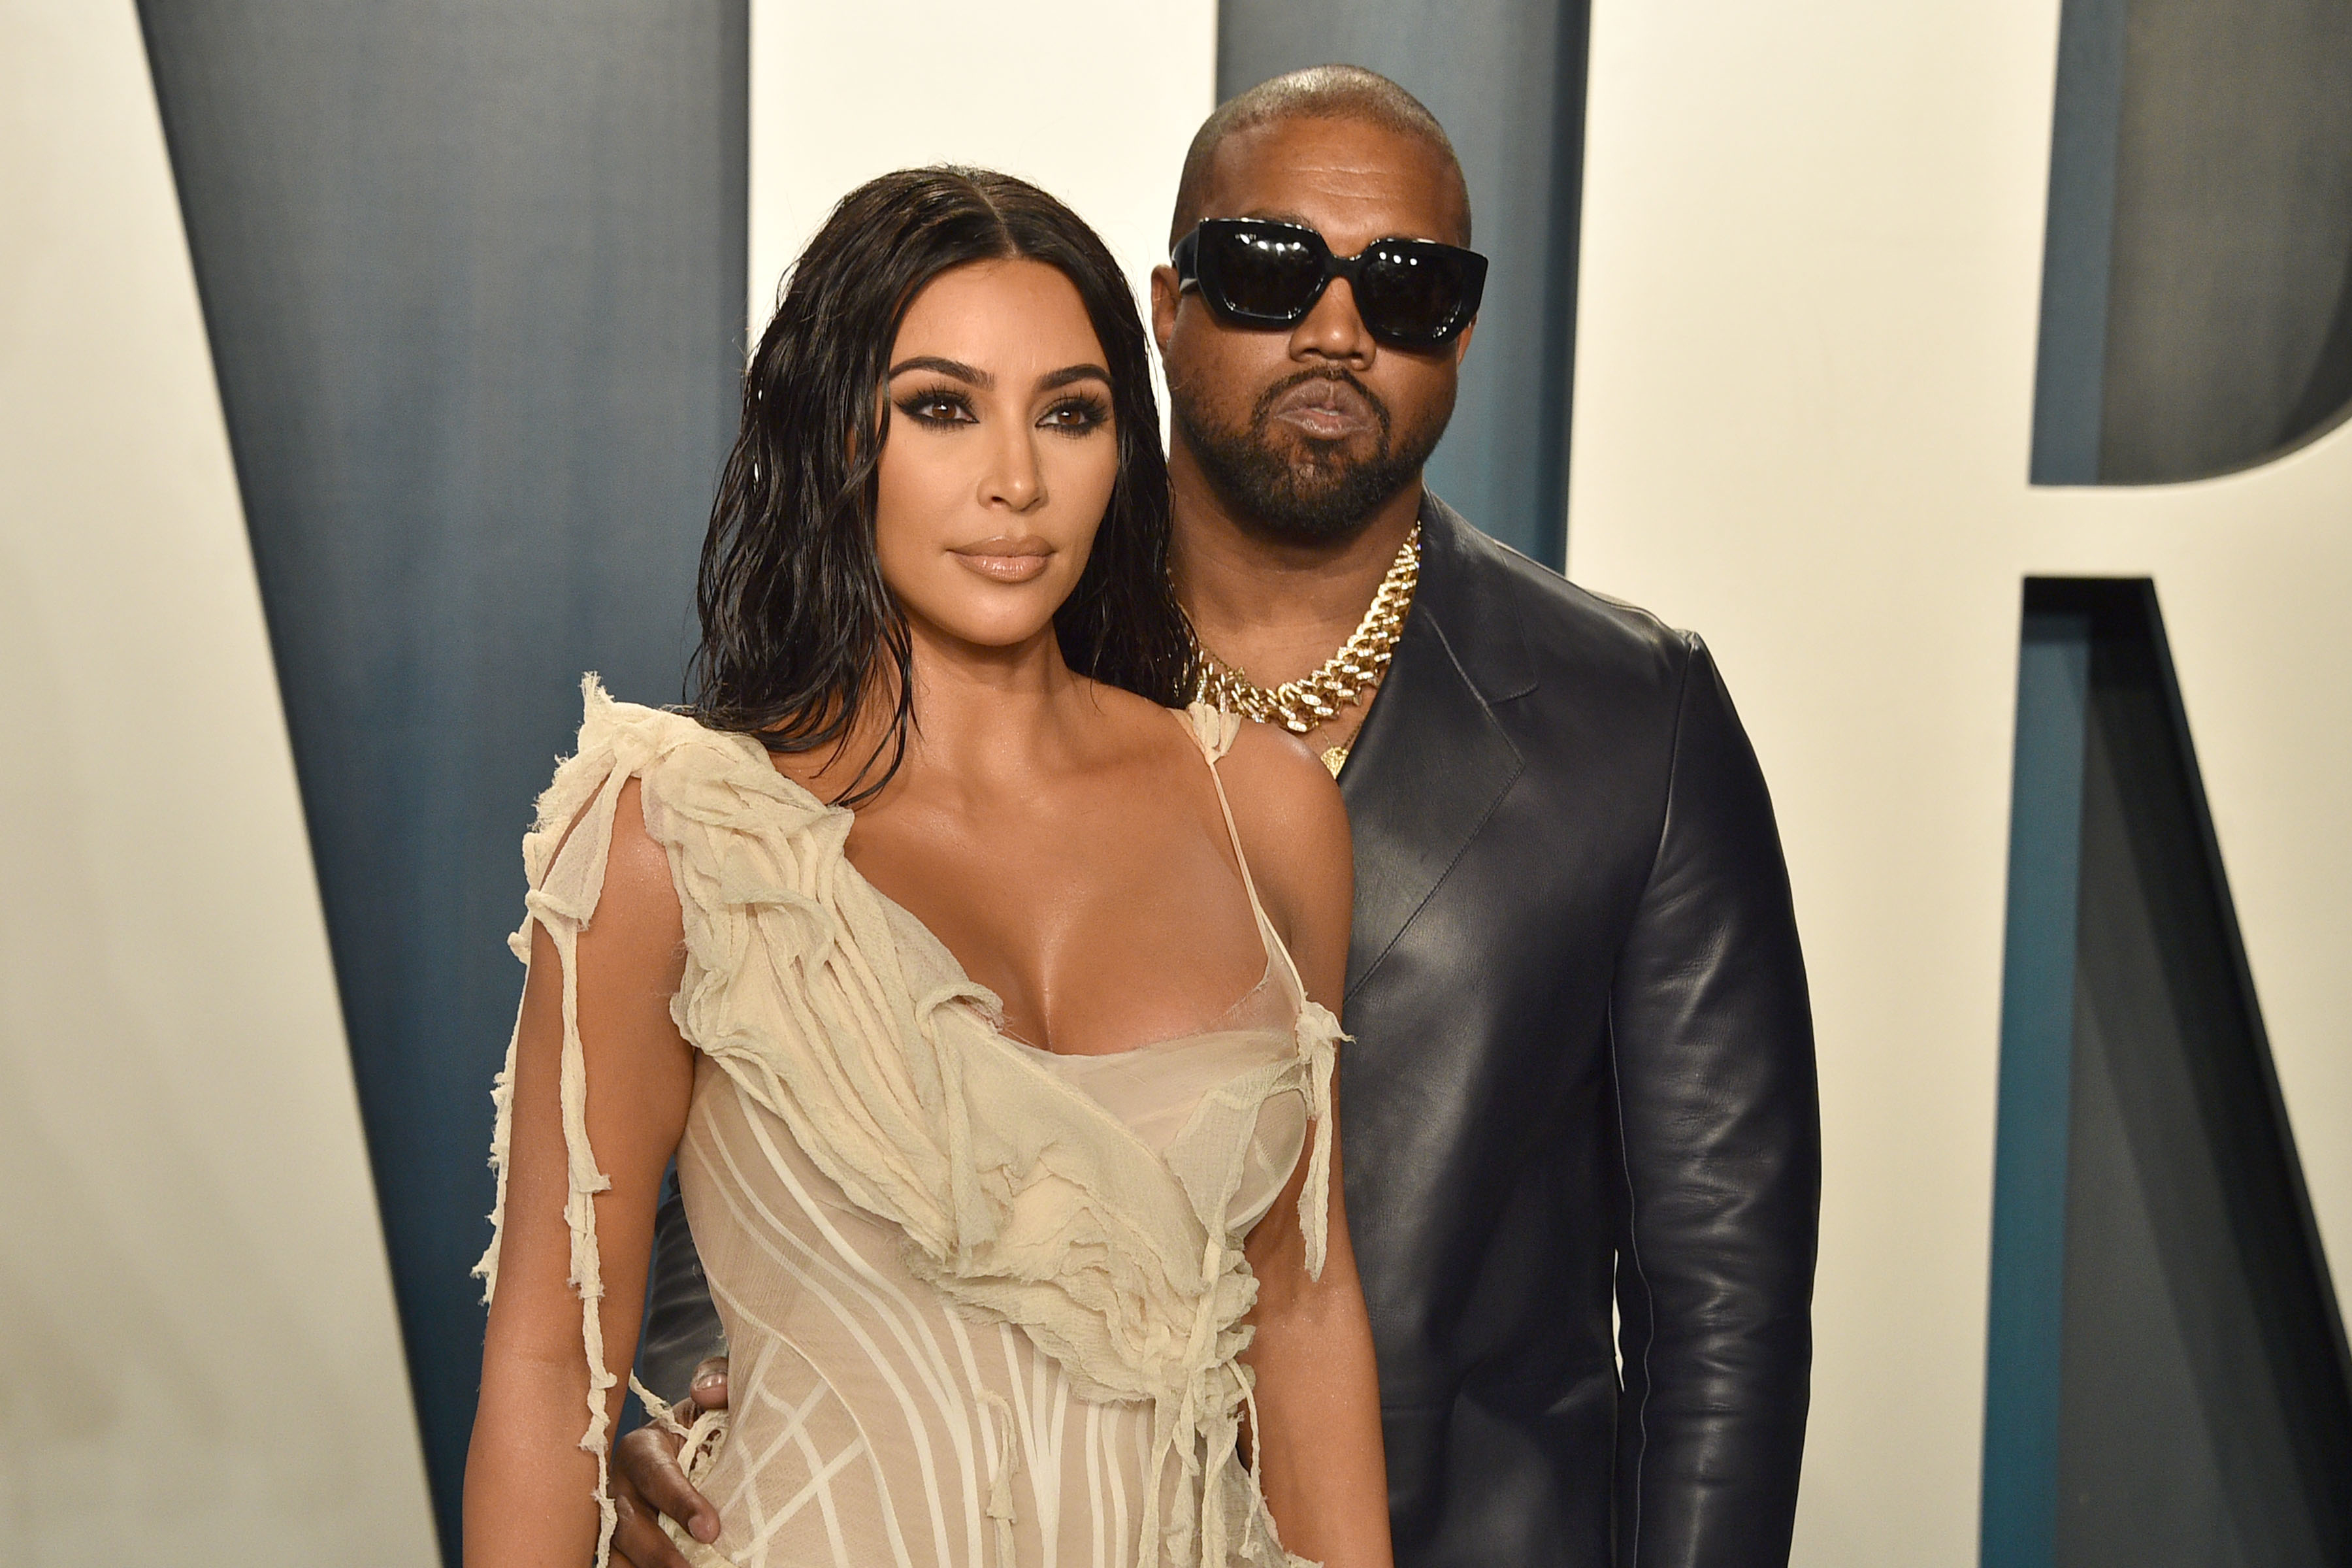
647,1482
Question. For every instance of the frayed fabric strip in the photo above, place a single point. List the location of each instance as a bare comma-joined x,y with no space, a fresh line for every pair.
561,907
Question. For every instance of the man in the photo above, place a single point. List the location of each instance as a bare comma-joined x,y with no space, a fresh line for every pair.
1582,1071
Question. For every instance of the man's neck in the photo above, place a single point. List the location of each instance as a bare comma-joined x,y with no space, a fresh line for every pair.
1273,608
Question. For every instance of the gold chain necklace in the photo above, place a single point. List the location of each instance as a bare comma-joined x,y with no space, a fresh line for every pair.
1300,706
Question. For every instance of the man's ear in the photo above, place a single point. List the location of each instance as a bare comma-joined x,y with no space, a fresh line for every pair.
1462,344
1165,292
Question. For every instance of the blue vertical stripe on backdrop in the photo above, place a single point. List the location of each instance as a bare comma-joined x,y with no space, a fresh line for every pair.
2037,1053
2070,370
1506,77
2203,1412
474,279
2197,272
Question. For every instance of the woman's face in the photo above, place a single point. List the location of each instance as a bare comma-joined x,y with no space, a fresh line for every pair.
1000,456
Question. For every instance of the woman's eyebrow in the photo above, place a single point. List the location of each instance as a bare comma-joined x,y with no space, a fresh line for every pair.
954,367
1070,372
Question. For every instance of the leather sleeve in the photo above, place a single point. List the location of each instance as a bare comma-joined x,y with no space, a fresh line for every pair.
682,1326
1719,1132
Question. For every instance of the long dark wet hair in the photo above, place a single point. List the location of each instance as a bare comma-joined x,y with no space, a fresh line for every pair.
799,632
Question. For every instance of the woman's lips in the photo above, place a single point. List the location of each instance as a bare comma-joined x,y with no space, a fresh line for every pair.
1006,559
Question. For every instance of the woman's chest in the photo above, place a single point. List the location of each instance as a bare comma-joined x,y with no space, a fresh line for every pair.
1098,929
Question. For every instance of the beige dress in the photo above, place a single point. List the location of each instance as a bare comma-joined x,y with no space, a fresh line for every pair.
983,1301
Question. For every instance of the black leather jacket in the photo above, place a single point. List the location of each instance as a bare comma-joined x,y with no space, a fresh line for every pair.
1582,1067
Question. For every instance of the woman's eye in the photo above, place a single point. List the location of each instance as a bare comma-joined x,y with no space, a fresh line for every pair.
936,409
1078,414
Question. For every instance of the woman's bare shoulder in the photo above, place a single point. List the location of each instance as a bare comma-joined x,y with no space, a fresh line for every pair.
1282,773
638,906
1126,709
1292,826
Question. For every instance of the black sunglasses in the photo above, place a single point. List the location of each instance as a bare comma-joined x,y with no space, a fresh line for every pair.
1254,272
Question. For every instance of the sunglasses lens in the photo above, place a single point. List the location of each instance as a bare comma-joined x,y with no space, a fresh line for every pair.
1412,293
1262,274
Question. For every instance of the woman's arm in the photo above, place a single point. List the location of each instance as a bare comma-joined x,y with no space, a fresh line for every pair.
1317,1450
529,1487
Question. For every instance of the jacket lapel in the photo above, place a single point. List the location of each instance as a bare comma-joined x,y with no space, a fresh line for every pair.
1432,760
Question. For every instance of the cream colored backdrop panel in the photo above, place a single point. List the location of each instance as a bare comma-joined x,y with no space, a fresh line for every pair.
1096,105
1806,341
199,1361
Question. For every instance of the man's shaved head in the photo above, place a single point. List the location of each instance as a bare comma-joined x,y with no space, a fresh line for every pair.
1319,92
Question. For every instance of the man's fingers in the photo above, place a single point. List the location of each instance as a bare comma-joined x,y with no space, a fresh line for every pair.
637,1537
648,1483
645,1462
709,1388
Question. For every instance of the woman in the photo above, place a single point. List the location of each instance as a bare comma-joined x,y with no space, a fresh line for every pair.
981,994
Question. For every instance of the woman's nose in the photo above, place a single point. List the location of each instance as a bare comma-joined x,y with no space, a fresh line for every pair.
1014,478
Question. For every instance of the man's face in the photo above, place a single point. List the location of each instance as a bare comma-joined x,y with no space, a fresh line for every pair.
1305,431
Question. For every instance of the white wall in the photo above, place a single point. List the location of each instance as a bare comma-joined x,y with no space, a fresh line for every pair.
1096,105
199,1361
1803,404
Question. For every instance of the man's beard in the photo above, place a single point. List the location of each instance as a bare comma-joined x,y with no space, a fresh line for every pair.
1319,495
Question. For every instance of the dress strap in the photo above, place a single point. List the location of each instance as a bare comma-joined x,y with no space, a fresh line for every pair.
1215,729
1317,1031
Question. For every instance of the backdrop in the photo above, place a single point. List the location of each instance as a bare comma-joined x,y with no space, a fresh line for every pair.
473,278
199,1358
363,374
1813,309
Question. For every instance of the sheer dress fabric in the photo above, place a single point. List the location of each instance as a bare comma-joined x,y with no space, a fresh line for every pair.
983,1302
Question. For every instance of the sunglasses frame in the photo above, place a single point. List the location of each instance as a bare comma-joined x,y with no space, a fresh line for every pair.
1186,259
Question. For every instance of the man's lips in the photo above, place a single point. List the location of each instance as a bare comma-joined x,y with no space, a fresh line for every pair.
1324,408
1002,559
